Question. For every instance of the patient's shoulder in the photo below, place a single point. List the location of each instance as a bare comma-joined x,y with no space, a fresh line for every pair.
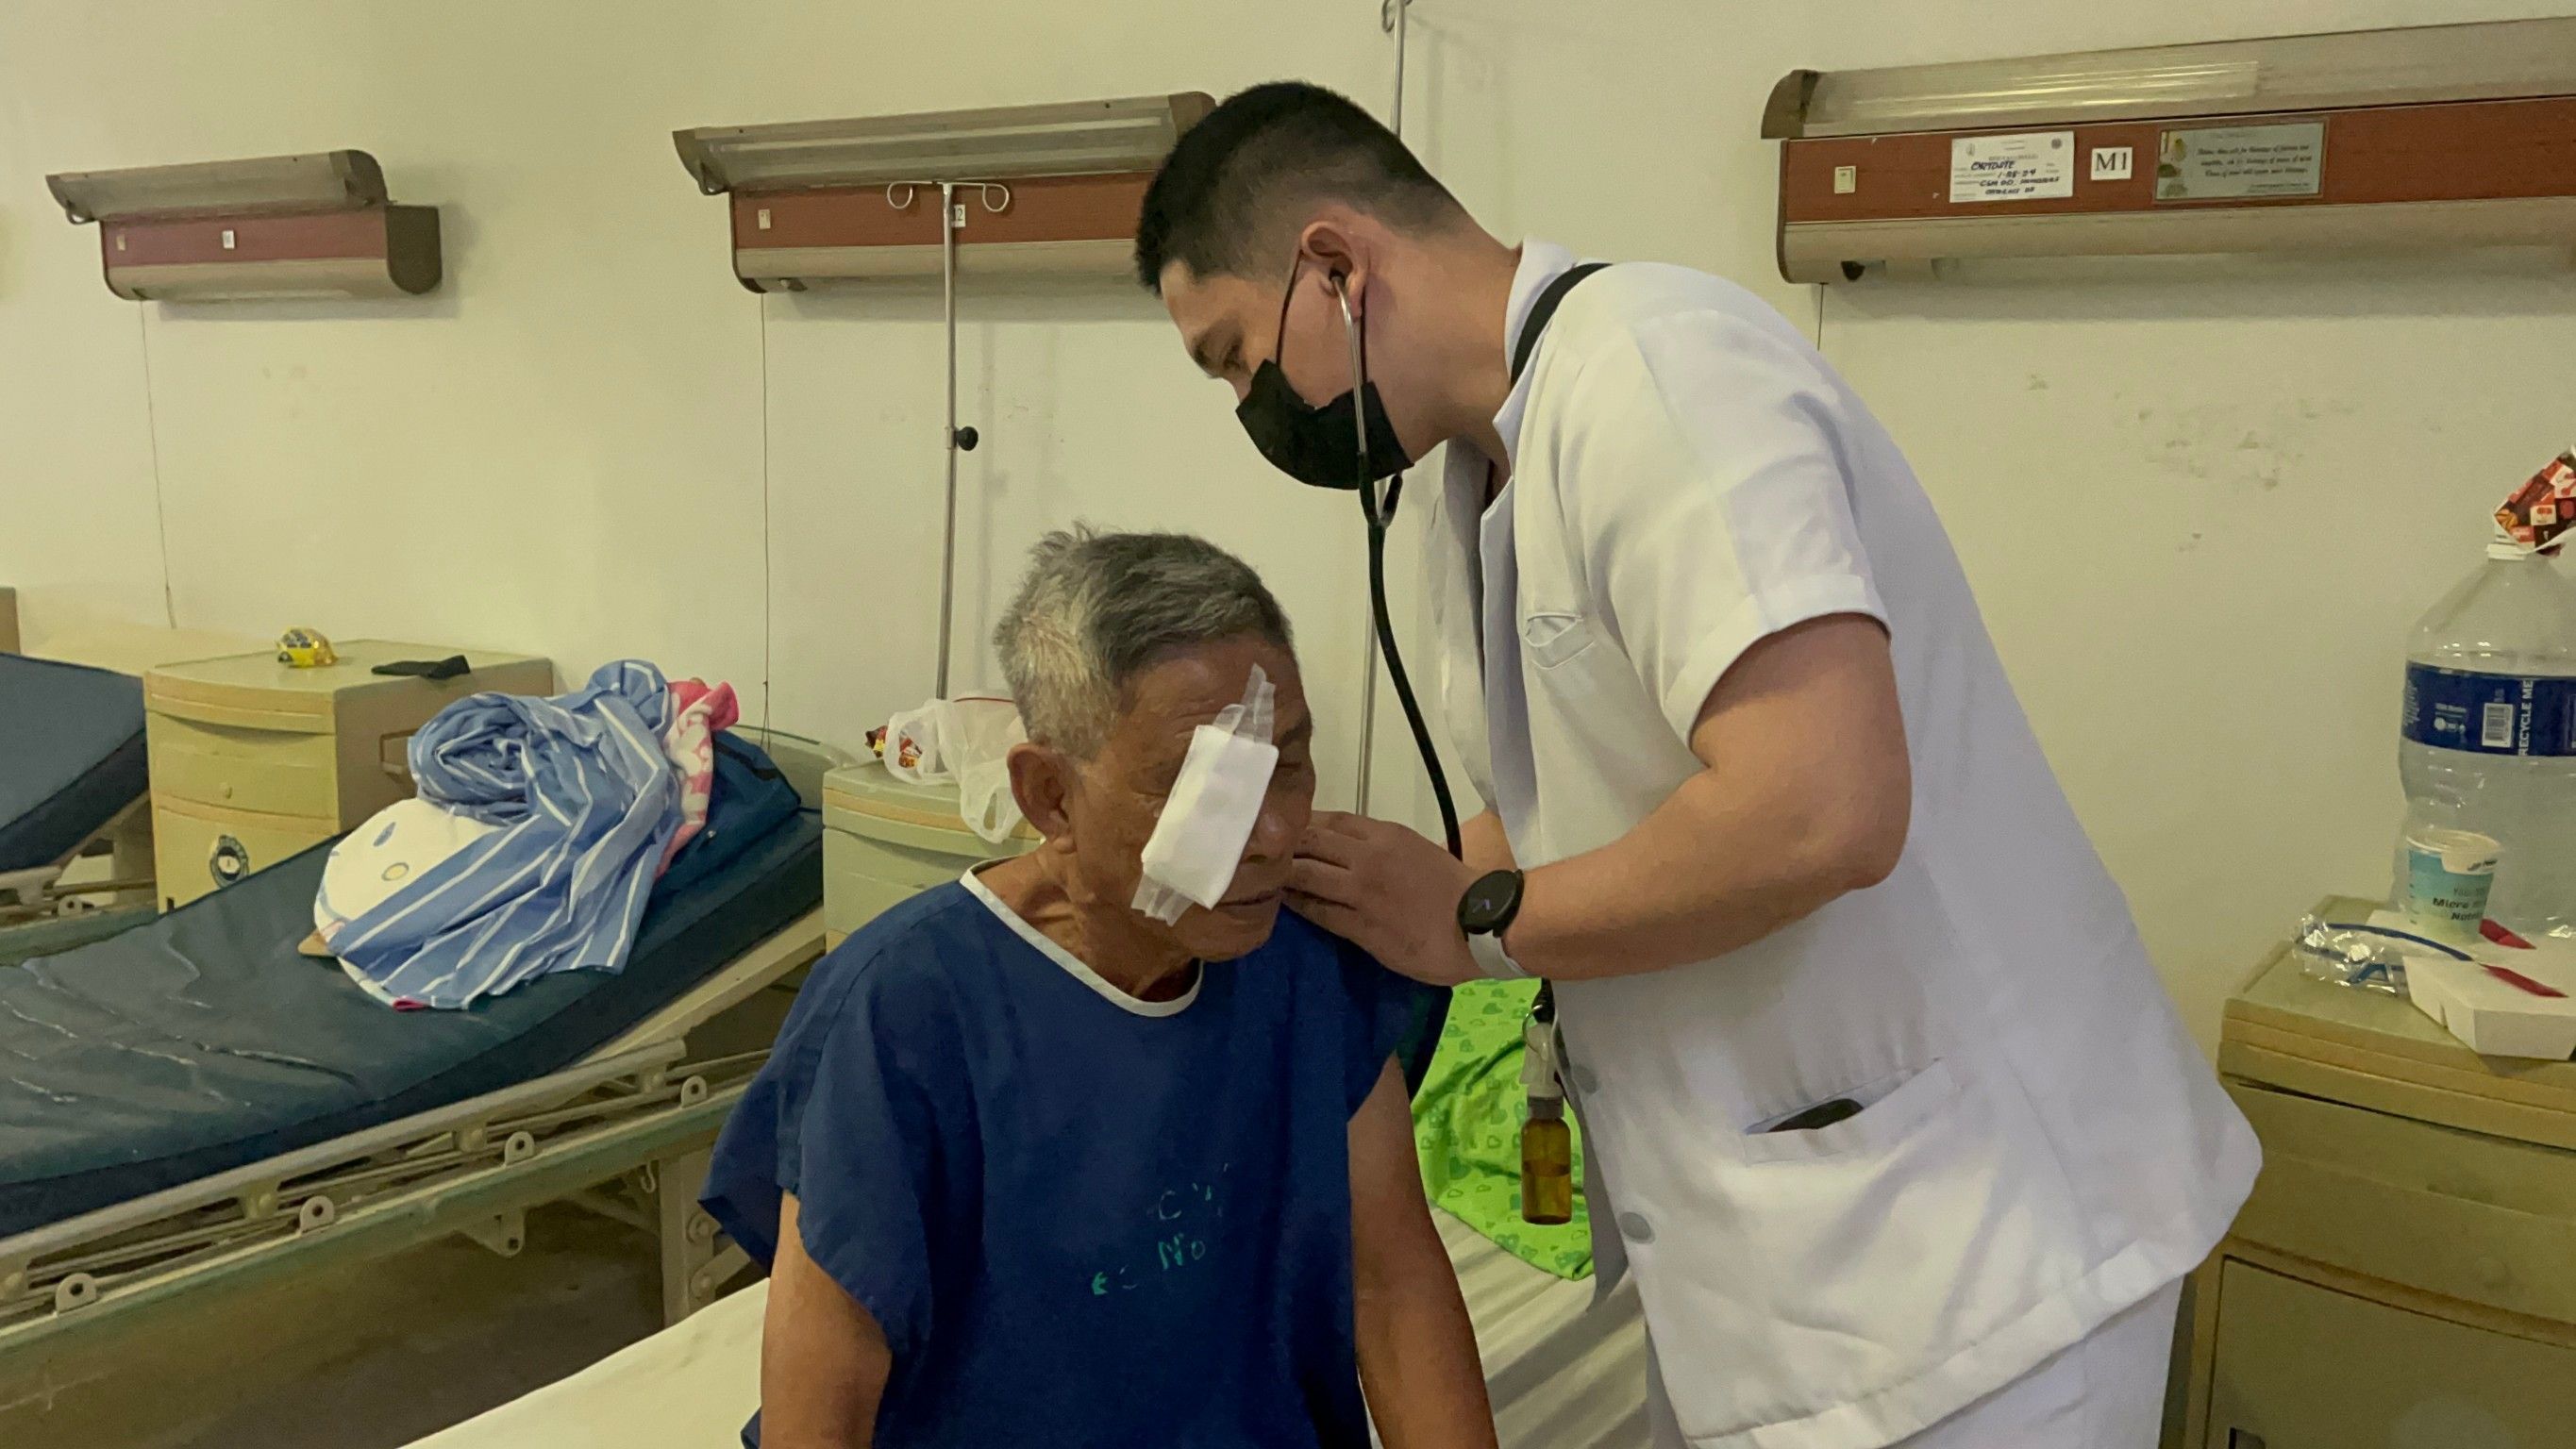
1297,937
1323,956
906,963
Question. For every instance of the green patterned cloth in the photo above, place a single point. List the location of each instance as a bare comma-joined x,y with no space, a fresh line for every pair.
1467,1129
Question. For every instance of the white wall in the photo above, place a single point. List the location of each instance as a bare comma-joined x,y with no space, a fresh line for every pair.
79,532
2200,510
2202,506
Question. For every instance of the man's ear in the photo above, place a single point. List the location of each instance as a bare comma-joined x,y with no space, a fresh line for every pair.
1042,781
1333,245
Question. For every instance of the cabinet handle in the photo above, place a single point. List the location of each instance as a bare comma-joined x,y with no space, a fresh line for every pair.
2244,1439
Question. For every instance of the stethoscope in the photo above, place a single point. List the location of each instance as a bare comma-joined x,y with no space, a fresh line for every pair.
1379,513
1379,516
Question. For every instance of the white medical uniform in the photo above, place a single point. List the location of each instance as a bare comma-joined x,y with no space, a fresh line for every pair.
2041,1145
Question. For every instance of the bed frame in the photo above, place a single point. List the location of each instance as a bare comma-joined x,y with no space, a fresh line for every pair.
67,914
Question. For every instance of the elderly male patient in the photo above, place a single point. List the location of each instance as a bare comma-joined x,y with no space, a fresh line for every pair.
1031,1167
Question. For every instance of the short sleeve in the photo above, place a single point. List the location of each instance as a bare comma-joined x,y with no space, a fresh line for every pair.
848,1116
1705,485
1388,1016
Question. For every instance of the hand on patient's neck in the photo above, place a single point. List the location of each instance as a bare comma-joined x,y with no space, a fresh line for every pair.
1120,945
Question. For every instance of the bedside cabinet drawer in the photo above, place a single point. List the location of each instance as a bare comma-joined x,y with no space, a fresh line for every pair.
196,850
269,771
2304,1367
2477,1218
847,854
851,901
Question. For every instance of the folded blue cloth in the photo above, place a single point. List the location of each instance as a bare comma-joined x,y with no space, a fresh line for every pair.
585,800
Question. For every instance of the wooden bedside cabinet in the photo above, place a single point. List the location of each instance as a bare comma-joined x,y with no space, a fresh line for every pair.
885,840
2404,1275
253,761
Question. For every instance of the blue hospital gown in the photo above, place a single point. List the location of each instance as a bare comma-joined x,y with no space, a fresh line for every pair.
1077,1224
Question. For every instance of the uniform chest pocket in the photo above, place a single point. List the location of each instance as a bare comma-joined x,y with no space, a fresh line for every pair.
1552,639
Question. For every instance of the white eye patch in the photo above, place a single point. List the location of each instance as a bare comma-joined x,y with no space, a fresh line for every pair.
1207,820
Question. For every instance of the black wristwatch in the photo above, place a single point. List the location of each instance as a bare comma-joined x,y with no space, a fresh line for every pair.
1489,905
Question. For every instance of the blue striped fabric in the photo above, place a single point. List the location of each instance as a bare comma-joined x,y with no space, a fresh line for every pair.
585,800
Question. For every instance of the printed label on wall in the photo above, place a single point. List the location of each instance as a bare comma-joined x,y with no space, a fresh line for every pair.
2012,168
2490,714
2216,163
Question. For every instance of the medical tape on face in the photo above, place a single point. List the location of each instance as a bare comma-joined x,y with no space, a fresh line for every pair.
1207,820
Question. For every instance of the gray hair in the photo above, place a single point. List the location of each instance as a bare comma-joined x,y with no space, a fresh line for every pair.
1098,609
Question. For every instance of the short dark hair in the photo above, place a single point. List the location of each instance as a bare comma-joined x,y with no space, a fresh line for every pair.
1222,201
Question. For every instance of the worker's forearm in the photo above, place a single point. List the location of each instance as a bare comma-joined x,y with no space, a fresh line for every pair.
1483,843
1715,867
1417,1352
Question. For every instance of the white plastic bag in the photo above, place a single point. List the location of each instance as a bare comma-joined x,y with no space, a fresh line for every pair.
968,742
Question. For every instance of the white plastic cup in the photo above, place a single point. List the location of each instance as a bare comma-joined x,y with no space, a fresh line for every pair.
2448,876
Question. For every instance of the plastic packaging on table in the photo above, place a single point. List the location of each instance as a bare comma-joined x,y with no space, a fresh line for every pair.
2350,955
965,740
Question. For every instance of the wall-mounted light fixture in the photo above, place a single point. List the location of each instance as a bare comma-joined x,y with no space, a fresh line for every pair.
2436,137
1054,188
316,225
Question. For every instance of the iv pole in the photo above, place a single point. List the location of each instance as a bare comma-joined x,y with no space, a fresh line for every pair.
1390,17
954,439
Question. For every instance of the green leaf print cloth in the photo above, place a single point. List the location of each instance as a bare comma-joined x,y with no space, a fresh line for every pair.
1467,1129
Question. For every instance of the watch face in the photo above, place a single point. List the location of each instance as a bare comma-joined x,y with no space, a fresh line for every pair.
1490,900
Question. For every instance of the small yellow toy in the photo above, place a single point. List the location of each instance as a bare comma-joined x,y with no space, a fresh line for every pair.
305,649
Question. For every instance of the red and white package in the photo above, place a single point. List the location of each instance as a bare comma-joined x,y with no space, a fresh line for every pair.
2544,506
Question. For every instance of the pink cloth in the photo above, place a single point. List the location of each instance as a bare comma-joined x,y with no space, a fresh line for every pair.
690,742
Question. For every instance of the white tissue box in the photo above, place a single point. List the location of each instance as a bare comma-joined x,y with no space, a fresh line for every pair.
2492,1014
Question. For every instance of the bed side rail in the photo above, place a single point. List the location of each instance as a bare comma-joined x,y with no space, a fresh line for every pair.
453,1169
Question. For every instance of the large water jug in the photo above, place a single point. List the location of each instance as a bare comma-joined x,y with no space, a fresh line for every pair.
2488,738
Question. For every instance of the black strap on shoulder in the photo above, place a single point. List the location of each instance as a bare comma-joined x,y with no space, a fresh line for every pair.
1543,311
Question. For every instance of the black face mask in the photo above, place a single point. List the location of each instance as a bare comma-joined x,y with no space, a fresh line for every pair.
1320,445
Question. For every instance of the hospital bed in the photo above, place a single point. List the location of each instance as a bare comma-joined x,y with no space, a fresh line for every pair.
1563,1373
194,1109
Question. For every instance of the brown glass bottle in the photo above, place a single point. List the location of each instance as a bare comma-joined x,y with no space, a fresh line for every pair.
1547,1163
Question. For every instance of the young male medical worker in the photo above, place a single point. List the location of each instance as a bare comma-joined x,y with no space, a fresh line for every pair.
1890,1115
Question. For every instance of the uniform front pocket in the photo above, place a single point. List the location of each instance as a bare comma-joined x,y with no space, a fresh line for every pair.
1886,1115
1802,1272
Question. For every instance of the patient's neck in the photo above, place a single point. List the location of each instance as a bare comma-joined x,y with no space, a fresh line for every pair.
1121,946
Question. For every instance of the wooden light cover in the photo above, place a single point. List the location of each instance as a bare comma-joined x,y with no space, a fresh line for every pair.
824,201
2437,137
313,226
